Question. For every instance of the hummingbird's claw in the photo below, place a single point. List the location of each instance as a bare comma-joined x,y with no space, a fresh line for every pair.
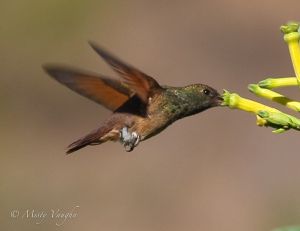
129,139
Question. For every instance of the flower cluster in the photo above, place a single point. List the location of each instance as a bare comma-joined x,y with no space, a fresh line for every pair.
268,116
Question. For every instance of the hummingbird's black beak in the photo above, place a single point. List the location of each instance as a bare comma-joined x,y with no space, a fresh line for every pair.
218,100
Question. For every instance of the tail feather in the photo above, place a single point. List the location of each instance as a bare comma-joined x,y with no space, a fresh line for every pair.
79,144
98,136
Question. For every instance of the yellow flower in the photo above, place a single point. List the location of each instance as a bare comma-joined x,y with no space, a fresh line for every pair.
266,116
291,37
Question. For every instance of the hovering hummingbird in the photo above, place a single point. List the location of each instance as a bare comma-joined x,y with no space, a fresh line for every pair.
141,107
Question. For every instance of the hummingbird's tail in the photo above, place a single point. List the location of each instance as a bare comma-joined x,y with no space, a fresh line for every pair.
95,137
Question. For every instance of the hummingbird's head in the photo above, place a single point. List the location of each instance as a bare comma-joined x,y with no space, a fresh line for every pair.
202,97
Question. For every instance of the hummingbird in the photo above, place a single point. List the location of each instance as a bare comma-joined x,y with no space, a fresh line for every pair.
141,107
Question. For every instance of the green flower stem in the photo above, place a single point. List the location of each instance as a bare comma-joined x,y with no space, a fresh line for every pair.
291,37
271,83
266,116
274,96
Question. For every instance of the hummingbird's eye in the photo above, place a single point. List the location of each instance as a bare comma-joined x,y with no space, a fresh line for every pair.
206,91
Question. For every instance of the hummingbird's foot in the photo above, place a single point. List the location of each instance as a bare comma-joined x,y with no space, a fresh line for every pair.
129,139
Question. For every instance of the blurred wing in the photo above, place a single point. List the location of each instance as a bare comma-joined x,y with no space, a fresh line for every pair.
107,92
142,84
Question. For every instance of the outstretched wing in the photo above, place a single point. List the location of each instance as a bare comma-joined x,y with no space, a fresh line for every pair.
108,92
143,85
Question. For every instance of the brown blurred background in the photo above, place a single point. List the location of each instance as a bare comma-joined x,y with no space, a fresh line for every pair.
213,171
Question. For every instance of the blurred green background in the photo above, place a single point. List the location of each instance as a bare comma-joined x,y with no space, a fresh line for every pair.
213,171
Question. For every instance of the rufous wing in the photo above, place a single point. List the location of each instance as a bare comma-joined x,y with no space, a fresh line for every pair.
143,85
108,92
